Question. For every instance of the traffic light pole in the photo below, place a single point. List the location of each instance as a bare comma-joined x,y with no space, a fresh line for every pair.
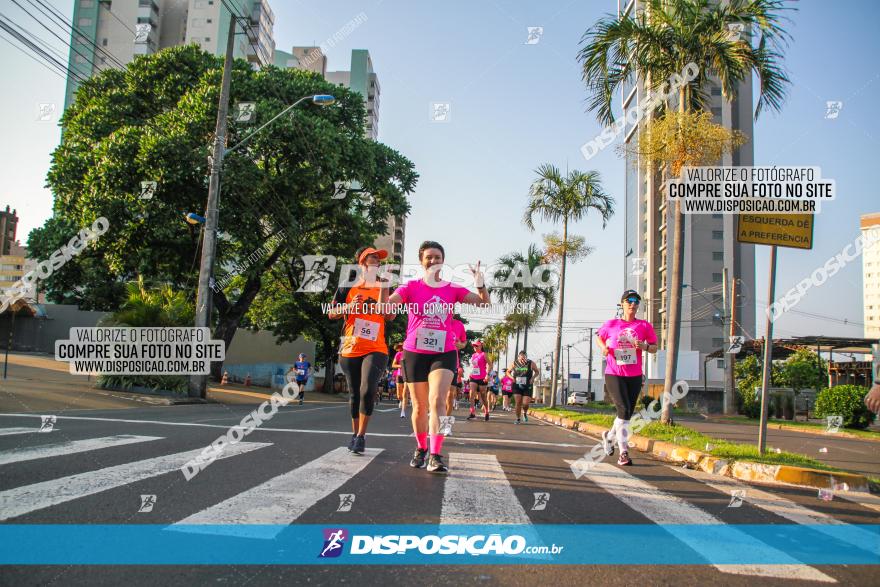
198,383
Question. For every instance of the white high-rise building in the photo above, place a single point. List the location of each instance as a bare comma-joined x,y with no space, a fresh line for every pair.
871,277
106,33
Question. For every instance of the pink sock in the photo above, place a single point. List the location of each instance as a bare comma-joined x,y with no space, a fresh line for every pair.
472,408
422,439
436,443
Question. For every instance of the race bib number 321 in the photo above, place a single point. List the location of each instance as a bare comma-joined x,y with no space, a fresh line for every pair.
430,340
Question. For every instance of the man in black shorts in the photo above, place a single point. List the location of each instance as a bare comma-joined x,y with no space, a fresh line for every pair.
524,372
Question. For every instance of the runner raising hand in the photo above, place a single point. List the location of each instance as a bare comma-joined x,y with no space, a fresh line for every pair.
429,349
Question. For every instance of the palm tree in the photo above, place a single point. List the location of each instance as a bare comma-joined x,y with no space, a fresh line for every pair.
495,341
160,306
660,42
554,197
540,299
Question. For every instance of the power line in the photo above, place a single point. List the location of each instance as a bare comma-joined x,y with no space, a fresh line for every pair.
42,24
39,40
35,59
36,49
67,25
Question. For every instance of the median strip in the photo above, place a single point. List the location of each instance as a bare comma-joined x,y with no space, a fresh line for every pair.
681,444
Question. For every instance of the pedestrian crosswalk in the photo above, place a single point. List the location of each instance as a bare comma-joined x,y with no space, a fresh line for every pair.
479,490
670,510
283,499
37,496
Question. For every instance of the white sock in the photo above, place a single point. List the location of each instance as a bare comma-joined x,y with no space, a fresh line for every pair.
614,427
623,435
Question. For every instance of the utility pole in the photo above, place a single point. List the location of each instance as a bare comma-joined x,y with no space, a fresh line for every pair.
730,362
768,355
568,371
725,314
198,383
590,367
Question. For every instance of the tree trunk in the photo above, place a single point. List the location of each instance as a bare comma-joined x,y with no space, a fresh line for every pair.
526,338
329,366
673,295
556,354
517,344
229,316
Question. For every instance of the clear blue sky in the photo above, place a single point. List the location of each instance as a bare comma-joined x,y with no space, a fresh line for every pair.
515,106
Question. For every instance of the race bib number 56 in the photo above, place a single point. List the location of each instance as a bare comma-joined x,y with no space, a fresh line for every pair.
366,329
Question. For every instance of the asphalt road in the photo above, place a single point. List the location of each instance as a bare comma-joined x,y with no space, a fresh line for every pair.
94,466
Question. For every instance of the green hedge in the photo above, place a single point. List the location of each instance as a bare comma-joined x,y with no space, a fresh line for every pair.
847,401
746,403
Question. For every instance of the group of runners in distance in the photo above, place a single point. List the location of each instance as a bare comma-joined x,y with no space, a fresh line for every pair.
426,365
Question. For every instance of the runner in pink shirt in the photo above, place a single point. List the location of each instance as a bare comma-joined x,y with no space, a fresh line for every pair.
397,363
506,390
429,350
622,341
460,342
479,379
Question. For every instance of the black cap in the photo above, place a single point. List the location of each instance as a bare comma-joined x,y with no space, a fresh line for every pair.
630,293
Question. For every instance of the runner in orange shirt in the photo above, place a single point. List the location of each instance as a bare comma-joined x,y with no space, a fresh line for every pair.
363,352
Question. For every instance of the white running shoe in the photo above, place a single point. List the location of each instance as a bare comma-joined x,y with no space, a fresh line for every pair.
607,443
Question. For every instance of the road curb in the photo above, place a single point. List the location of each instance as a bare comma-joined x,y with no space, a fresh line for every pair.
743,470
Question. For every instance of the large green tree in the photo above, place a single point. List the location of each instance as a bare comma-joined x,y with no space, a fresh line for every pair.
154,121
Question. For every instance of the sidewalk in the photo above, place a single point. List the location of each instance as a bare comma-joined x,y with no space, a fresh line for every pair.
849,454
38,383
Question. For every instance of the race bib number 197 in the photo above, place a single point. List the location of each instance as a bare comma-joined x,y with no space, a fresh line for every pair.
625,356
431,340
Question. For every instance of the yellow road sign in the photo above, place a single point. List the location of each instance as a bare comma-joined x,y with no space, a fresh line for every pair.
782,230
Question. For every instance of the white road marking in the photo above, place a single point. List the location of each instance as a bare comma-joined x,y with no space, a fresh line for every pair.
67,448
12,431
29,498
300,430
866,500
783,507
196,424
282,499
671,512
477,492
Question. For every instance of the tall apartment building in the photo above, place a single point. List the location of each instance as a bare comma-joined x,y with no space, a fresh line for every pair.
871,278
12,256
307,58
105,32
8,227
710,240
362,79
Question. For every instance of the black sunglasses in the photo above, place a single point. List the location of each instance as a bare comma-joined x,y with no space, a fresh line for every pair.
633,300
